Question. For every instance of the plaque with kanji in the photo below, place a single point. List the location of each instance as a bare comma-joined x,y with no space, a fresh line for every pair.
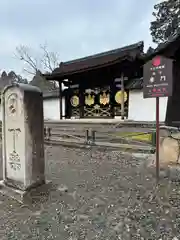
158,77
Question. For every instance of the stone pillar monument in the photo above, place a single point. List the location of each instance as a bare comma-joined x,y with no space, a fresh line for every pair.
22,139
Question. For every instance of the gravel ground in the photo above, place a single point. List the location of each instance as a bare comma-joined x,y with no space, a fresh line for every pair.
95,195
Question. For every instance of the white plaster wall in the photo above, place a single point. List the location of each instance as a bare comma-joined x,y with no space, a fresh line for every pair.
141,109
51,108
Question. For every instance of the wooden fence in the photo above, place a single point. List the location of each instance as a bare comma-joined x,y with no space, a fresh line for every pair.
127,136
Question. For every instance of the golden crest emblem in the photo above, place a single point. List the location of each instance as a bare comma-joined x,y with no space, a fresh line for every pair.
104,98
74,101
118,97
89,100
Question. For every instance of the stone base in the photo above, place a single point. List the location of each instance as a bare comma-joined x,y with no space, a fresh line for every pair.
19,185
25,196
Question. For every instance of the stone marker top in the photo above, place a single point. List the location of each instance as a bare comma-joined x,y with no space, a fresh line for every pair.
23,86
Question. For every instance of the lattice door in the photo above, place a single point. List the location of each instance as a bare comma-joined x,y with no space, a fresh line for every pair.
97,102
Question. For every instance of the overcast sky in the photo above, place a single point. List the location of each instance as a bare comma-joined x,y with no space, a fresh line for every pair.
73,28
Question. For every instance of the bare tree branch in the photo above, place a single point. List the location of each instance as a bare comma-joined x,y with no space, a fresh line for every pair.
29,72
49,60
22,52
46,61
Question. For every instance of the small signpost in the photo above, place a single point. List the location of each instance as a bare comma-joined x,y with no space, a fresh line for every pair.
157,82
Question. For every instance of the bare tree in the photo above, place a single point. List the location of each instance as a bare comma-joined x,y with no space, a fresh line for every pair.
46,62
32,65
49,60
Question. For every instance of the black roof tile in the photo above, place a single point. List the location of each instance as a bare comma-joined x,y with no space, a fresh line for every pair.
98,60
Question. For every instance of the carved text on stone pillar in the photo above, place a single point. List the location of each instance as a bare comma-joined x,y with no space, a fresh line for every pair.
14,158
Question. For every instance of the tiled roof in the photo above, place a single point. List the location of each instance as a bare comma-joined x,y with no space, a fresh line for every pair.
98,60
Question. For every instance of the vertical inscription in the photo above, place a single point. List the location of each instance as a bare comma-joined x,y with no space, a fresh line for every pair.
14,158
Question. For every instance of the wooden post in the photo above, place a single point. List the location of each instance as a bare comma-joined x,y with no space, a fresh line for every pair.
86,135
157,139
81,102
60,100
122,96
112,107
69,107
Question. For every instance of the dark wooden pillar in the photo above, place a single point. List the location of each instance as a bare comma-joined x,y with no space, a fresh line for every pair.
60,100
122,96
66,99
81,101
112,91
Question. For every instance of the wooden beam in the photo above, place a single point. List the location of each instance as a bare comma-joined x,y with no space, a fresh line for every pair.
60,99
122,96
112,105
81,101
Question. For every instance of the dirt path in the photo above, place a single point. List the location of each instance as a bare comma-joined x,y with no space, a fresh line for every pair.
100,195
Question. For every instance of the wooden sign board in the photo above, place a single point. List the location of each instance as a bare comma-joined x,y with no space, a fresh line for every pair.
158,77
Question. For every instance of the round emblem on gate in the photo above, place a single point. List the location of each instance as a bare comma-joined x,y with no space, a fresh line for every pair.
118,97
74,101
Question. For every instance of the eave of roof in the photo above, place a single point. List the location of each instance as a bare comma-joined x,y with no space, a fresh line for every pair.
62,75
100,60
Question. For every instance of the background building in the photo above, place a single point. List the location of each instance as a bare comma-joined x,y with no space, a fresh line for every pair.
95,86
